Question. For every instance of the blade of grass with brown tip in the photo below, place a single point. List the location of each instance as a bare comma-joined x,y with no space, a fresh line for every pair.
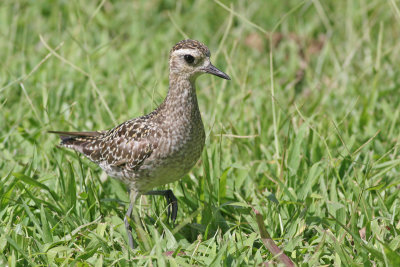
269,243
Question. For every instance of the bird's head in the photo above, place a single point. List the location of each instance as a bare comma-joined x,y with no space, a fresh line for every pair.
191,58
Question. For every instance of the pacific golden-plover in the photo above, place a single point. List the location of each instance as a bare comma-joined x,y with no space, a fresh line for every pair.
160,147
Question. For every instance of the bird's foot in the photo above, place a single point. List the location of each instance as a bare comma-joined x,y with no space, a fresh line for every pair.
172,202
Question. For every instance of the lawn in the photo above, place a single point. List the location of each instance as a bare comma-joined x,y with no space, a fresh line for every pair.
306,134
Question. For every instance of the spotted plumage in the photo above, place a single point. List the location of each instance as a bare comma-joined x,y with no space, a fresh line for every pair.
162,146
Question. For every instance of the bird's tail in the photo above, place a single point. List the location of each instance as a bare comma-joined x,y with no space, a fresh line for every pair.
78,141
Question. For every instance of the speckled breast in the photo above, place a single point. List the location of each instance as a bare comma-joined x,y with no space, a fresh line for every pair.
178,151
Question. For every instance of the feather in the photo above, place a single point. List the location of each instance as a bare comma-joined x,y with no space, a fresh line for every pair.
86,134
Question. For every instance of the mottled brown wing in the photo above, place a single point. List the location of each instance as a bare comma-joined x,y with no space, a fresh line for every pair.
132,155
126,146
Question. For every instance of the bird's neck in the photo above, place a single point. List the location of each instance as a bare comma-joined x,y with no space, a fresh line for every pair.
181,94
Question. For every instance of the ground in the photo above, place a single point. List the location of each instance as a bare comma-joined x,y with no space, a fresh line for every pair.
306,133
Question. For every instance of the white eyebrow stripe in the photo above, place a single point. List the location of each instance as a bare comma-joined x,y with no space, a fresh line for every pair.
193,52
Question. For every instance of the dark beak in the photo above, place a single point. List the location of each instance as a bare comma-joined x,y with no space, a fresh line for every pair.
213,70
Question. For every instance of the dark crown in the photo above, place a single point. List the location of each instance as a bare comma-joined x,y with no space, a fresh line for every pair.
191,44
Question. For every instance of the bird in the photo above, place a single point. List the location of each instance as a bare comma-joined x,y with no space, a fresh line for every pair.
160,147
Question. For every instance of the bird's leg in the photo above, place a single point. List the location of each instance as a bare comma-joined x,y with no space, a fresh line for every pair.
132,197
128,226
172,202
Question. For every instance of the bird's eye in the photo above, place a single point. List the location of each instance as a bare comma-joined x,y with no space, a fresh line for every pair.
189,58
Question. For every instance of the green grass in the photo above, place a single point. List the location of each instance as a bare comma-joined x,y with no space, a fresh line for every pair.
306,132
